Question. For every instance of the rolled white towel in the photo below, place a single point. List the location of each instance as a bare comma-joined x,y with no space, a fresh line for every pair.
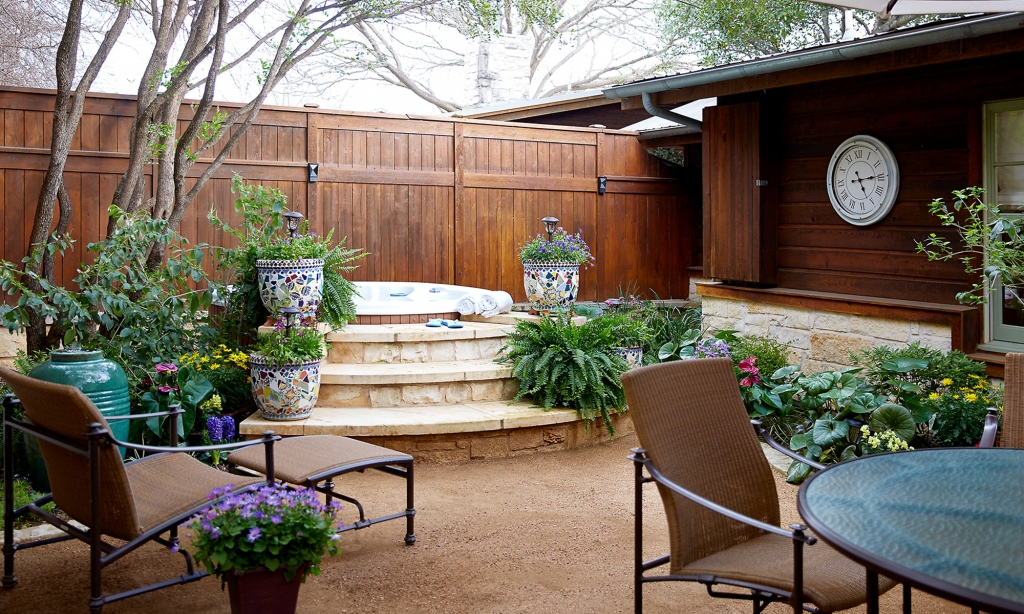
467,304
492,303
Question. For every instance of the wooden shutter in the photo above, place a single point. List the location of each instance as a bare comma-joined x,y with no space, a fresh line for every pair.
740,216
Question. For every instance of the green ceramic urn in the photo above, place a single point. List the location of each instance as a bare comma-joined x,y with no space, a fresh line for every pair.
102,380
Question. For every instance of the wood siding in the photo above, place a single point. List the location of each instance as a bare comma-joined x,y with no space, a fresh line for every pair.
931,118
431,199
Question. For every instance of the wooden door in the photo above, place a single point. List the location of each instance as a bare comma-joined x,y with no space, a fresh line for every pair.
739,204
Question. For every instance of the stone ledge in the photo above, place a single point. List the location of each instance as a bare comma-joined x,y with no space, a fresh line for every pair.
404,333
417,420
413,372
513,318
38,532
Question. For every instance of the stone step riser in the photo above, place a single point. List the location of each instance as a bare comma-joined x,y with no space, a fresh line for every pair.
400,395
413,352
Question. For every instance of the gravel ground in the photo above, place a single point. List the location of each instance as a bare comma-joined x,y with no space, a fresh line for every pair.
551,532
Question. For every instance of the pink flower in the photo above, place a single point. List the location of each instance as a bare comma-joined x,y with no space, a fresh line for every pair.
747,364
750,380
166,367
165,389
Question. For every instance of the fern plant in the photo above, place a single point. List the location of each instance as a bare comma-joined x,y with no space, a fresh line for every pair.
560,364
337,307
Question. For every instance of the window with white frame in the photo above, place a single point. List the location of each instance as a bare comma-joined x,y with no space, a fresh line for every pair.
1004,185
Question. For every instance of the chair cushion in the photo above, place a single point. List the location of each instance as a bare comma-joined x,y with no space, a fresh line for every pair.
168,485
296,459
831,581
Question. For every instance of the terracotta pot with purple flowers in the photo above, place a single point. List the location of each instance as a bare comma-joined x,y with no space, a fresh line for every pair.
551,269
264,543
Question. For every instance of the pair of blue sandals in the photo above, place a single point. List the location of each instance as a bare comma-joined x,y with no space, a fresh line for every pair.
438,323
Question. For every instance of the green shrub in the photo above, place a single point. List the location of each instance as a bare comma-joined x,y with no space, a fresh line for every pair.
960,413
560,364
627,328
23,495
669,326
888,370
771,353
281,347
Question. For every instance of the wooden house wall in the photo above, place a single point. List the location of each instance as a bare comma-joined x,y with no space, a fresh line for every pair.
932,120
430,199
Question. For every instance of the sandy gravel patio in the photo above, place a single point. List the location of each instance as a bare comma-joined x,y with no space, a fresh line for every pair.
543,533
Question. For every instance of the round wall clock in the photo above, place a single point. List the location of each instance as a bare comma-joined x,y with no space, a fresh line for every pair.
863,180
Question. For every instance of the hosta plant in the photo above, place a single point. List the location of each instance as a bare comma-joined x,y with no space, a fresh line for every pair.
274,527
560,364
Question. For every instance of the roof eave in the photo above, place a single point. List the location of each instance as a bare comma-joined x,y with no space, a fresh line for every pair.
981,26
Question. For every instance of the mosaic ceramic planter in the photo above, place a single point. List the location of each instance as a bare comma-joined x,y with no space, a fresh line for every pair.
634,356
287,392
291,283
551,286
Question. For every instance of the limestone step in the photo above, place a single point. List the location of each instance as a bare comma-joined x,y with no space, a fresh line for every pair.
418,383
472,417
415,343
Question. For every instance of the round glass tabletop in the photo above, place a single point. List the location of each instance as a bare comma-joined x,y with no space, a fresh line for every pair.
949,521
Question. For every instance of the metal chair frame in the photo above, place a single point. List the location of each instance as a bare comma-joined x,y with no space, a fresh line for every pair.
102,553
323,482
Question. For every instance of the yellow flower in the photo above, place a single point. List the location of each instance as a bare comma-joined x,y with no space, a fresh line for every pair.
934,396
946,381
214,366
956,396
970,396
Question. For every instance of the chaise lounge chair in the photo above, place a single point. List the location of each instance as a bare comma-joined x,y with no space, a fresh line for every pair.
720,497
1012,433
137,502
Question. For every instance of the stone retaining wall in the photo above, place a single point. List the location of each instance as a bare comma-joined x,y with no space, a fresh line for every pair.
9,346
820,340
457,447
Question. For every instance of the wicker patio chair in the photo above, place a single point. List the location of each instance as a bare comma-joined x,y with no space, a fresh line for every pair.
720,497
314,461
1012,433
135,502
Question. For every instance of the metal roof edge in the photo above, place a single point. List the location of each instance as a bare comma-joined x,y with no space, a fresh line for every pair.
991,24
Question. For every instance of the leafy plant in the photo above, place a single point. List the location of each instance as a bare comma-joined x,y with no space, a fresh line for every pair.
991,246
825,406
771,353
562,248
275,527
690,345
261,209
669,325
23,495
627,328
960,413
560,364
890,370
228,372
283,347
171,386
137,316
884,441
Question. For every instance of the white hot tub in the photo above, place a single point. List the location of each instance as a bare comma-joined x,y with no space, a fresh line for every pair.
391,302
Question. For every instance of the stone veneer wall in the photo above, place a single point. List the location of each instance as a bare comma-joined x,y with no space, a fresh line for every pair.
9,346
819,340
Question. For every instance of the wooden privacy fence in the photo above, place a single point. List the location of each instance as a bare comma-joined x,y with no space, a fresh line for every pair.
431,199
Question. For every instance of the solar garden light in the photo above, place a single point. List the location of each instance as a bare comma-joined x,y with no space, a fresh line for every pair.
289,314
550,223
292,219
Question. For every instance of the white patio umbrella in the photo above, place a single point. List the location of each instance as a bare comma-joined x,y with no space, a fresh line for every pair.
930,7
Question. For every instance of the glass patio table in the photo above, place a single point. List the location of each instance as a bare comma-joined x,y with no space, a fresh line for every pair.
947,521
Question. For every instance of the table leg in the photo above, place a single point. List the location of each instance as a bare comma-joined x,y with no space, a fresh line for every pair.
872,604
907,607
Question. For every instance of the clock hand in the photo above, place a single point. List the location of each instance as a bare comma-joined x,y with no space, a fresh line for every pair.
860,182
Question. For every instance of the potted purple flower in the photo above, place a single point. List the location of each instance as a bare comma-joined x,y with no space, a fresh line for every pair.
551,269
264,543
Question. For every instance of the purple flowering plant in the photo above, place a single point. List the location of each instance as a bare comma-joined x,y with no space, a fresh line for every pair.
274,527
563,248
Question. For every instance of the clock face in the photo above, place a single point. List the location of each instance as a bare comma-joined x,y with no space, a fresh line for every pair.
863,180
